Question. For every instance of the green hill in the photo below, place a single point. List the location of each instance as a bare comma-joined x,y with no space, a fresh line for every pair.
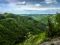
28,30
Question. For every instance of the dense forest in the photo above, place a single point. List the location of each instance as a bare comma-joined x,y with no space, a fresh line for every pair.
28,30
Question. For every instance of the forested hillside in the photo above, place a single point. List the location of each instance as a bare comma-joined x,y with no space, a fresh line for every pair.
28,30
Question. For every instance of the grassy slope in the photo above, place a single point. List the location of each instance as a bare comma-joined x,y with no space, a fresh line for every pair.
35,39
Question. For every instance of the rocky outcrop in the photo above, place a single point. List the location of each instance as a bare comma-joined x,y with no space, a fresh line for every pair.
55,41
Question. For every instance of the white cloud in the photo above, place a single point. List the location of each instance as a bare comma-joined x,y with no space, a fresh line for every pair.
30,7
21,3
14,8
37,4
51,1
27,8
16,2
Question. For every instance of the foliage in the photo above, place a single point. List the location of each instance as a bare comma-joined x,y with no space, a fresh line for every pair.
28,30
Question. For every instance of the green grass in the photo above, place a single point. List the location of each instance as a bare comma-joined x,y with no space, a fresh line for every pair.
35,39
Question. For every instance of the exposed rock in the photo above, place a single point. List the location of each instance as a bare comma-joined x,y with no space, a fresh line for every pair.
55,41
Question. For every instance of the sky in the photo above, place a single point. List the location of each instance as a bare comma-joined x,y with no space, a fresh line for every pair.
30,6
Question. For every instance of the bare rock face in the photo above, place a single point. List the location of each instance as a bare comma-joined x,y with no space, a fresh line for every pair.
55,41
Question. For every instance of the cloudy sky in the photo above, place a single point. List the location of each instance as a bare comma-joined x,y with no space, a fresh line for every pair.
30,6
